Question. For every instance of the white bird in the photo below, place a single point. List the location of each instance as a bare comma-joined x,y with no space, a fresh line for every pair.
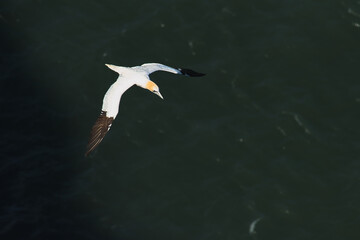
128,76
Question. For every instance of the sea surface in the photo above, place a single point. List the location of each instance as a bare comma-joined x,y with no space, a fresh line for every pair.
266,146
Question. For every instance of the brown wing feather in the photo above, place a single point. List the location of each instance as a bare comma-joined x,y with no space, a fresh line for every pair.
98,131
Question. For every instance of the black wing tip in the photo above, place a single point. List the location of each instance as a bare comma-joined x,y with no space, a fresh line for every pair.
89,149
98,132
190,73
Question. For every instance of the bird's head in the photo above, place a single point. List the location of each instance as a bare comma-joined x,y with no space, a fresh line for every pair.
152,87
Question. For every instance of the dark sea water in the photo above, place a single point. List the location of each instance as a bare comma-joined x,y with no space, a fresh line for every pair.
270,133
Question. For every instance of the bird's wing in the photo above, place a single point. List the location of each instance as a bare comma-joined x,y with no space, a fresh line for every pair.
153,67
98,131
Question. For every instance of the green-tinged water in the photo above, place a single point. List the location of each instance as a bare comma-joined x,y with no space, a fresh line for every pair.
271,132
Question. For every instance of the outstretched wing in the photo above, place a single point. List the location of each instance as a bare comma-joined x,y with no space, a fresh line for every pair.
153,67
98,131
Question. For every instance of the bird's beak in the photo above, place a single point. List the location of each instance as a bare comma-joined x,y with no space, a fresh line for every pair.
159,94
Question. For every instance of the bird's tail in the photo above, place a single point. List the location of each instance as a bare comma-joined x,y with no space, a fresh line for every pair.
115,68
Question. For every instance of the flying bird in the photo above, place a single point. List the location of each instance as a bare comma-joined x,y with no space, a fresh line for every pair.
128,76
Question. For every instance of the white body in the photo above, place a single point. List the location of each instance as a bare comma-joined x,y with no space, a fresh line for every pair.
112,97
128,77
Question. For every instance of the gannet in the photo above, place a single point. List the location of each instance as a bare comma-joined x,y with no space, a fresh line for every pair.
128,76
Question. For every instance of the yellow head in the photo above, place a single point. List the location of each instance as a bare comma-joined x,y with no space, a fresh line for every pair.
152,87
